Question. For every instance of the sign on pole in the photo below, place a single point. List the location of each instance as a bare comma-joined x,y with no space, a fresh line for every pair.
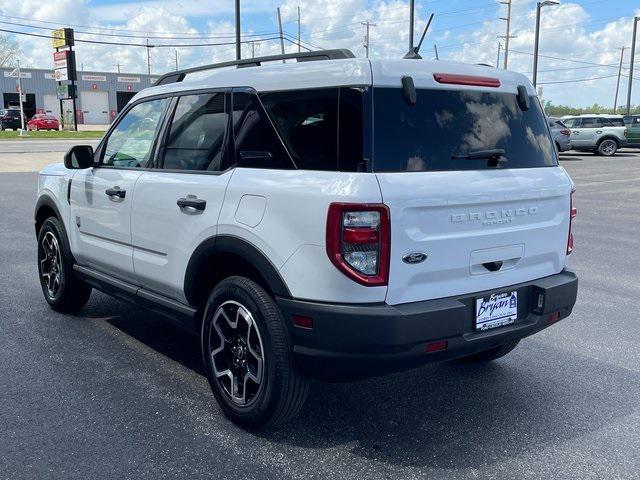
63,37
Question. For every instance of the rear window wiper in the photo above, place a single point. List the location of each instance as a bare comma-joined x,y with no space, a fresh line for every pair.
495,155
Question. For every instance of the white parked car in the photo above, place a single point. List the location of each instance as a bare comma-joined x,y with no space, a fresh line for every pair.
333,218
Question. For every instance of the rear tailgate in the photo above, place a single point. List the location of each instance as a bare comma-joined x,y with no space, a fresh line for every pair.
467,166
479,229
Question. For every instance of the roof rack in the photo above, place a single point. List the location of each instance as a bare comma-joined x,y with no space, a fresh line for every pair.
179,75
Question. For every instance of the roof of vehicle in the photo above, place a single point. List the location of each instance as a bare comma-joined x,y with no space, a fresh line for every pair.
604,115
342,72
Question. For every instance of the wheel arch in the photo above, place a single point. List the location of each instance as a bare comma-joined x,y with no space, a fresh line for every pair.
223,255
45,207
608,137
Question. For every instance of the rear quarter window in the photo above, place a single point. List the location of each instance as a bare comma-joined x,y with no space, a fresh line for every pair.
447,123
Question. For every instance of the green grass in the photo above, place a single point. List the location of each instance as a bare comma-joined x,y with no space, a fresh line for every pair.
13,135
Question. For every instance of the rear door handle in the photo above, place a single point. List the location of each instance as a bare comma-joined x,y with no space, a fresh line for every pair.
193,202
115,192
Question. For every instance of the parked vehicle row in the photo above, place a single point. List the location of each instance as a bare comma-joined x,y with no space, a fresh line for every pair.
10,119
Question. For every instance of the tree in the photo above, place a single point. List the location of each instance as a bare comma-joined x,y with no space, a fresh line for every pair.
9,51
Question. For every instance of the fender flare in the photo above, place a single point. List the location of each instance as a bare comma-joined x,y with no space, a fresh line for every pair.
221,244
45,201
608,136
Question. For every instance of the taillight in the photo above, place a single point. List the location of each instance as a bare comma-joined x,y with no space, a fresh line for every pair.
625,133
359,241
572,214
565,132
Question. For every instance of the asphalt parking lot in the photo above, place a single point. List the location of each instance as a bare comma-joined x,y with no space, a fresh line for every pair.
116,393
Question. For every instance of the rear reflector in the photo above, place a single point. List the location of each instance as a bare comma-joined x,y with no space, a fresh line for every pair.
466,80
554,317
438,346
303,322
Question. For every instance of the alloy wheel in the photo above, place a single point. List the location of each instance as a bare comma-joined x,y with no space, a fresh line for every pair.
608,147
50,264
237,353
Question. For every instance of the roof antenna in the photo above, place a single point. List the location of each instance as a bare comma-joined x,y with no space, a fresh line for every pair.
413,52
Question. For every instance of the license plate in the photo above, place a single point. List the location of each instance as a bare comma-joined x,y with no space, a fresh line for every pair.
496,310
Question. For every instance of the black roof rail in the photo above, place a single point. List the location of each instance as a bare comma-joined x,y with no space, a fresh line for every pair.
179,75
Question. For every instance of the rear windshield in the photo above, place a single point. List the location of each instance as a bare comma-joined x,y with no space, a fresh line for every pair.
445,124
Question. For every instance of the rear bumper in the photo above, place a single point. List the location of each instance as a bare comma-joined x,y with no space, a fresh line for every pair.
355,341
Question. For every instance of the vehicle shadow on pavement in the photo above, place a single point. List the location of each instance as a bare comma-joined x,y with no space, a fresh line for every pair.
455,415
451,415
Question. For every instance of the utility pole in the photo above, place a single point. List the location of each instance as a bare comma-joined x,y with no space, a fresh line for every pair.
117,65
281,34
633,55
412,20
176,52
299,39
615,102
435,49
508,34
498,60
148,58
367,24
238,44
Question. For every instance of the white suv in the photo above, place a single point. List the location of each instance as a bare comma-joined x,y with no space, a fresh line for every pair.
599,133
332,218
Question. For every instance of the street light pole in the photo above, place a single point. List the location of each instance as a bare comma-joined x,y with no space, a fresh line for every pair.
537,39
22,131
633,54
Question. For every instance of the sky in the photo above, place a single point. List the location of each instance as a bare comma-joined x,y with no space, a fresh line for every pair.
580,40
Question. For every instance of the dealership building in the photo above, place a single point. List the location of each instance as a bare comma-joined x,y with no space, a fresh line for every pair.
101,95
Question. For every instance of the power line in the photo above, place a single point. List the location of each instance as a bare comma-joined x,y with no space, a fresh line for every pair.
123,35
576,80
58,24
163,45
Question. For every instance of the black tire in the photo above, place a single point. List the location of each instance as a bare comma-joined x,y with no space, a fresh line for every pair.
282,389
607,147
491,354
70,294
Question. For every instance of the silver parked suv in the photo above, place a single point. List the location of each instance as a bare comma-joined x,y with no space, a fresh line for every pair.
601,134
560,133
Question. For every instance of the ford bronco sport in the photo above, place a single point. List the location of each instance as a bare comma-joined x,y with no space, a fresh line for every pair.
330,217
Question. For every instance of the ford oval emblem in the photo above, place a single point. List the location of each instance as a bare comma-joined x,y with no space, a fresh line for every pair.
414,257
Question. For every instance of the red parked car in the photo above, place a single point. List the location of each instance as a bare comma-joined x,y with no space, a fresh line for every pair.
42,121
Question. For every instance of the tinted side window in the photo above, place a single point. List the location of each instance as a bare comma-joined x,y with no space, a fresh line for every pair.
130,144
256,143
589,122
197,134
307,121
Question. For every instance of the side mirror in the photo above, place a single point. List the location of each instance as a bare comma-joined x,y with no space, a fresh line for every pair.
79,156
